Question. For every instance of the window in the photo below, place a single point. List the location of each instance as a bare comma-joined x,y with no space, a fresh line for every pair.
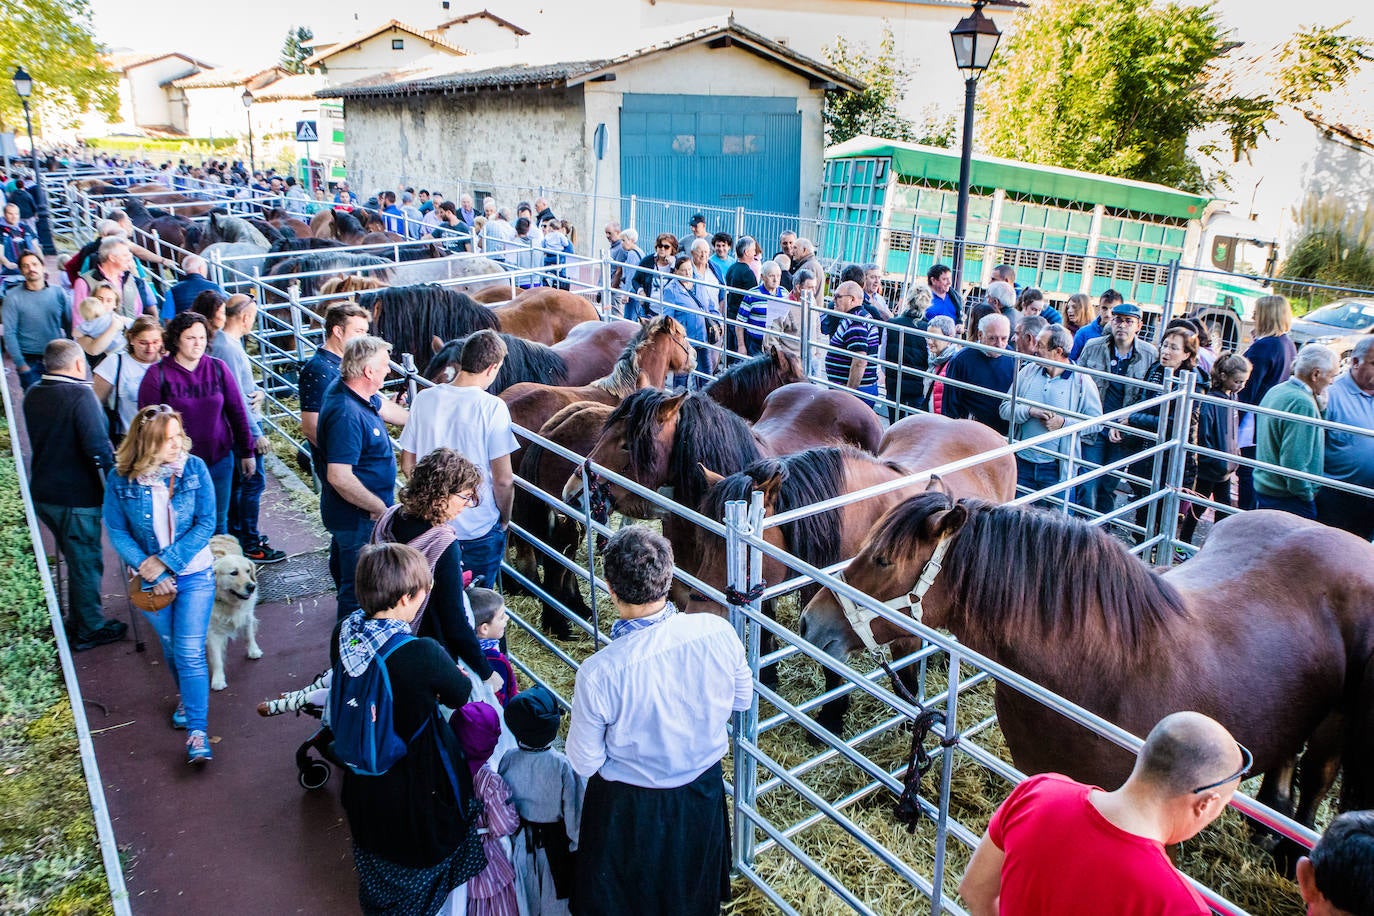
398,44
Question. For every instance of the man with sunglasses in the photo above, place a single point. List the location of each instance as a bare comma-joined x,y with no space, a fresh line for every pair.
1059,846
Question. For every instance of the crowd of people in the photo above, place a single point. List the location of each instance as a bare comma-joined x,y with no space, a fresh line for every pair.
161,442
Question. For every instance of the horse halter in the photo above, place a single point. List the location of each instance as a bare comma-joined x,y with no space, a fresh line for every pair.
861,618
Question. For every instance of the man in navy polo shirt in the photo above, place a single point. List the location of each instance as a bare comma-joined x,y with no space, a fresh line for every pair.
359,479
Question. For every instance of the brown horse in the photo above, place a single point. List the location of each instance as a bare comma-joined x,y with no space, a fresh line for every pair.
287,223
918,443
545,315
662,440
588,352
746,385
494,294
661,349
1269,629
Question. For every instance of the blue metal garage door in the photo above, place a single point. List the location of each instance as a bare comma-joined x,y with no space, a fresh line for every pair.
712,153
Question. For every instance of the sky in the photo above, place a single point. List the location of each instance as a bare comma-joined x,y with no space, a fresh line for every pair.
253,33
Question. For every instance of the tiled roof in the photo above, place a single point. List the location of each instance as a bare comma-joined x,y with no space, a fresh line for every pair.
222,77
483,14
546,61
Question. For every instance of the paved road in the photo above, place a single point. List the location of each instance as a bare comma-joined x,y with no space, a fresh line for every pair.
238,836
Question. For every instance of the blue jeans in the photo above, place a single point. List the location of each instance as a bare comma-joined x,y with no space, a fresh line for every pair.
1037,475
77,533
482,556
344,546
222,474
30,378
873,390
1306,508
245,503
181,628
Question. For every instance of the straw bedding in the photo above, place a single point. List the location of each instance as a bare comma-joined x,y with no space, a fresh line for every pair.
1223,857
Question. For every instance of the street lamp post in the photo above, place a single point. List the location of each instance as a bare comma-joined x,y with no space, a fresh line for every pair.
23,87
975,38
247,99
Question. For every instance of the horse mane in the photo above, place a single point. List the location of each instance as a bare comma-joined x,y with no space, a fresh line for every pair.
410,317
291,243
526,361
707,434
138,214
1024,577
346,224
325,259
805,478
756,374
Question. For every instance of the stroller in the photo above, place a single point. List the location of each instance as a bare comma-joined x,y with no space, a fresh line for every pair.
311,700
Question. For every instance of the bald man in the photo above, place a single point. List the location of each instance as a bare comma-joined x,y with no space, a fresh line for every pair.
1058,846
850,360
181,295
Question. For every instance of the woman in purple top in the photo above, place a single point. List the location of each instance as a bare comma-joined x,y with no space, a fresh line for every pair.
203,390
1271,356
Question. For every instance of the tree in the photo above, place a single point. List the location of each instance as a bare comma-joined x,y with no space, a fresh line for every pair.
53,40
873,111
1118,87
296,49
1335,247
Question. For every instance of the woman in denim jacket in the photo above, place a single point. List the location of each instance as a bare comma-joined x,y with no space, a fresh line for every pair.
160,513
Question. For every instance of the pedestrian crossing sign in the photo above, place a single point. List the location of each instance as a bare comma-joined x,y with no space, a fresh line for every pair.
306,132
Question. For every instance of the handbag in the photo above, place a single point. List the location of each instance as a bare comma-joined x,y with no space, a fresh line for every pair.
140,597
112,407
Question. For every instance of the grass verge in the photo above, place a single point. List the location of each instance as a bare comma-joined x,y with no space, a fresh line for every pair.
50,859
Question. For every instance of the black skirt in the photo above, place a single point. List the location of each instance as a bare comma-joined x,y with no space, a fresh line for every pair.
659,852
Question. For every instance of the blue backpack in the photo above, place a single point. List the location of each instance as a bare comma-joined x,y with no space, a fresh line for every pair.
360,717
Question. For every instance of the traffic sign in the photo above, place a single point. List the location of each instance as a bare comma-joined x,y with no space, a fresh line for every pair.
306,132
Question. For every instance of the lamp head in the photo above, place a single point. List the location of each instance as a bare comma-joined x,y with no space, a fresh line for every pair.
246,98
23,83
975,39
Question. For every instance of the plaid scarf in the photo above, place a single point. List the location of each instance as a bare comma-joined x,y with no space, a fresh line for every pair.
626,627
164,472
361,638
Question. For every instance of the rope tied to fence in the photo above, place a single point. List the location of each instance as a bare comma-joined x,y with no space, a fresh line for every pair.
736,598
907,811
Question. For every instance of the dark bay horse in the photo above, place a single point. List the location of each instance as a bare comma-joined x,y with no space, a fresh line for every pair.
576,428
544,314
288,225
1269,629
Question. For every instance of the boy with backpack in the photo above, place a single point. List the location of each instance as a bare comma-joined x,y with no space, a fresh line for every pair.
408,796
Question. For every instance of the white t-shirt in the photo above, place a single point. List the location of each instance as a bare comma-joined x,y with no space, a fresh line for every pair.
473,423
125,394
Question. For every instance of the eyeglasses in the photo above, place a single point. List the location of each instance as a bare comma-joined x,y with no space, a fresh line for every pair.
1123,319
665,247
153,410
470,499
1246,761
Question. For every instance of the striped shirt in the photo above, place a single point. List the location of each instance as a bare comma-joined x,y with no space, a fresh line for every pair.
859,337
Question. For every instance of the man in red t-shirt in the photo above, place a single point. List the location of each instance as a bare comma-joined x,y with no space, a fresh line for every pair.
1059,847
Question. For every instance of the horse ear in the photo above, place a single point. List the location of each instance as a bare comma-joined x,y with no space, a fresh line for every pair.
435,344
671,405
947,523
643,322
775,351
770,487
712,478
938,485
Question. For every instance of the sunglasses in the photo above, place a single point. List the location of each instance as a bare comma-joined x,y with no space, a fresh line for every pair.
1246,761
665,247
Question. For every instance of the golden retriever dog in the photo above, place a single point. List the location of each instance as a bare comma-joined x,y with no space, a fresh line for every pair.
236,597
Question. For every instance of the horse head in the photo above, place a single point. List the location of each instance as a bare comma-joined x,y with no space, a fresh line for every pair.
665,350
893,567
443,363
637,443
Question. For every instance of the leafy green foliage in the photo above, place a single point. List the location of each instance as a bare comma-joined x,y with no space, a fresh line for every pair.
873,111
295,49
1318,59
54,42
49,853
1117,87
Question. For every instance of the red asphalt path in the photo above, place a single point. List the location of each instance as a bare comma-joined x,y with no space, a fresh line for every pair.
238,836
